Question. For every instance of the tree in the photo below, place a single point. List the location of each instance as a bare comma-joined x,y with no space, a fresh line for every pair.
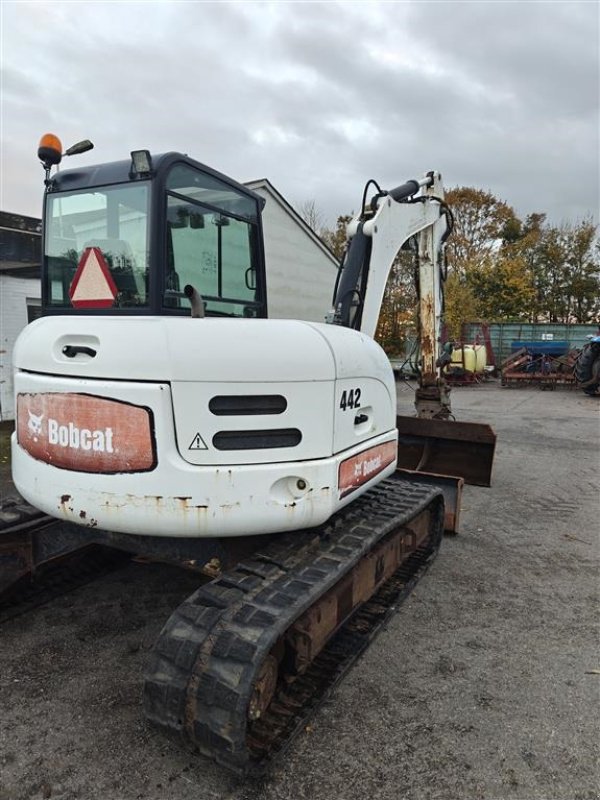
502,288
397,318
582,278
564,267
460,304
481,224
313,217
500,268
336,239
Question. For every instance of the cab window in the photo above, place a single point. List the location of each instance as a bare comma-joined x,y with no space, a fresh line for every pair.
112,219
212,244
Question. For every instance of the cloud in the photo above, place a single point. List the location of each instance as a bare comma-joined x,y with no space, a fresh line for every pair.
317,97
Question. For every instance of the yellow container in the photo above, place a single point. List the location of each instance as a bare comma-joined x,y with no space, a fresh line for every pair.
457,357
464,357
480,358
470,362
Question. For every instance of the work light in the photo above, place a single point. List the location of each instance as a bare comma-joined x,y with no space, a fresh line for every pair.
141,162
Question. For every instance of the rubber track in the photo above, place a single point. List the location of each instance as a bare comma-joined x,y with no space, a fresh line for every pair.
206,659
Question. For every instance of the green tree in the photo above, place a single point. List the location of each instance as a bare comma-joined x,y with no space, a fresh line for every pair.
500,268
502,288
582,268
564,266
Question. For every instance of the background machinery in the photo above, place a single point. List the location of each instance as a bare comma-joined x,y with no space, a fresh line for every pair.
587,366
262,451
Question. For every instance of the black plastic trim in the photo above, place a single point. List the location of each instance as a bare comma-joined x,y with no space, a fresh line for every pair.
257,440
230,405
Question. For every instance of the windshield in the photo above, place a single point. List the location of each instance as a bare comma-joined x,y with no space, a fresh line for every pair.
110,223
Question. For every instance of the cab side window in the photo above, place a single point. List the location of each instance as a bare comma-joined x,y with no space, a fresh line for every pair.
211,244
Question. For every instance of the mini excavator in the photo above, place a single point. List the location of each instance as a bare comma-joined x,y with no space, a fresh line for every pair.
162,412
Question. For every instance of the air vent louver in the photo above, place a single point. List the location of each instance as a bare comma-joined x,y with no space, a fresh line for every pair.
257,440
237,405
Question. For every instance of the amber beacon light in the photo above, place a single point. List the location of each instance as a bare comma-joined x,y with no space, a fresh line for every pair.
50,150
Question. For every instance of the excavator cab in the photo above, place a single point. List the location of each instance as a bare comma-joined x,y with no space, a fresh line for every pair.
126,237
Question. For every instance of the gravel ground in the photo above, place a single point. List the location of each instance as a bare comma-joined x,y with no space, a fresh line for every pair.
484,685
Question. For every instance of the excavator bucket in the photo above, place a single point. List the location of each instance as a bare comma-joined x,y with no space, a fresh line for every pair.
460,449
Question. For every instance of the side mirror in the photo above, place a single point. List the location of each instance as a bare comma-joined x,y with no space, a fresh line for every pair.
80,147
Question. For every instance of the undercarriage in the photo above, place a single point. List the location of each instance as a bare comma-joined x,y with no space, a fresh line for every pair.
244,661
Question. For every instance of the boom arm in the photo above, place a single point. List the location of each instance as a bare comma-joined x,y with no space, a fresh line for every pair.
376,236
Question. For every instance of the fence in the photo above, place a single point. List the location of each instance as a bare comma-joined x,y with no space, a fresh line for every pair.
503,334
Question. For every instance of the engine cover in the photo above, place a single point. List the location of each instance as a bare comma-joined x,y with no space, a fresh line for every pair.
199,427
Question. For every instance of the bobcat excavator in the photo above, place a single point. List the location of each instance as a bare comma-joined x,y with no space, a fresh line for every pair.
160,411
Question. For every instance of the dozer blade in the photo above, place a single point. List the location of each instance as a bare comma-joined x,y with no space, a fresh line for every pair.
17,520
15,559
451,487
35,547
462,449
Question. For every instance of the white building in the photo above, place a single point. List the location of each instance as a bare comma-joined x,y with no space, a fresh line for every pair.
301,270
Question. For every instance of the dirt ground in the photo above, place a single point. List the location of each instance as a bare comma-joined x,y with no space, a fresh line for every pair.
484,685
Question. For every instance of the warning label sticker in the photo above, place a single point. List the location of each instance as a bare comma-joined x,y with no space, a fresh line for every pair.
198,443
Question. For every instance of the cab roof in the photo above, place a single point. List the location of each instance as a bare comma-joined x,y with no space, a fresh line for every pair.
120,172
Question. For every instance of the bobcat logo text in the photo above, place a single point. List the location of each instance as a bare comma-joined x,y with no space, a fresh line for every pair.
100,441
69,435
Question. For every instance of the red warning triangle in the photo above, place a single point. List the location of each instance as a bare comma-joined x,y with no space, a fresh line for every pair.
93,285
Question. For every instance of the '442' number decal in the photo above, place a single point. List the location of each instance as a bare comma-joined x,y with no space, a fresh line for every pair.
350,399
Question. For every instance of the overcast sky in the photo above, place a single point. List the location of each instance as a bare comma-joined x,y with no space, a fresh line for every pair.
316,97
